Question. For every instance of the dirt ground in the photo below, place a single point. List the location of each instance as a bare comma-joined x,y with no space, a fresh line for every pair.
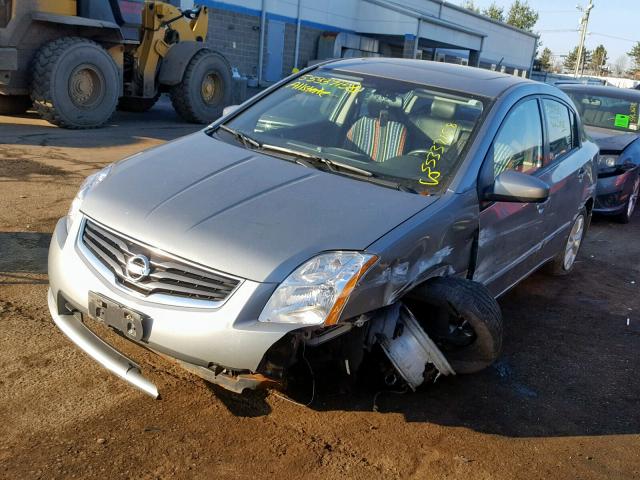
562,402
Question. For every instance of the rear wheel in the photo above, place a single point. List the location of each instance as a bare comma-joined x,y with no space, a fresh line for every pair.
205,88
632,202
14,104
75,83
565,260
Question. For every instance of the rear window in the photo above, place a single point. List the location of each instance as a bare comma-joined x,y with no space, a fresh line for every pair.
607,111
559,127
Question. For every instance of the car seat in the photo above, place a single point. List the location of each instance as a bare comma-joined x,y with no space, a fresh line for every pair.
441,113
379,134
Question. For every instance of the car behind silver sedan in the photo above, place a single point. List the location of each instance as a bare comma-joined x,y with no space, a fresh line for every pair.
367,207
611,117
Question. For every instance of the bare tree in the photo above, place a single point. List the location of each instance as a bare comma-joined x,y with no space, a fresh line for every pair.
620,65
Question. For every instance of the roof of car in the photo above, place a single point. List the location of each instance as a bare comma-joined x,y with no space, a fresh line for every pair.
606,90
474,81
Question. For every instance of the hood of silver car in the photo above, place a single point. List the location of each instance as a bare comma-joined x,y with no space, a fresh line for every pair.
241,212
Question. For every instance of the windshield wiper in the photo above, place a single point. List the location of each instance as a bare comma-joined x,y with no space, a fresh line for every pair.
309,159
243,137
355,172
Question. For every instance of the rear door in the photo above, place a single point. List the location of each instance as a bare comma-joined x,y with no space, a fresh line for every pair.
564,170
511,234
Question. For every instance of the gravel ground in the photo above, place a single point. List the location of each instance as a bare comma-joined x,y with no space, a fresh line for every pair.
562,401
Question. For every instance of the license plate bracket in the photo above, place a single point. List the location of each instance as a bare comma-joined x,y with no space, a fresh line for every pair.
128,322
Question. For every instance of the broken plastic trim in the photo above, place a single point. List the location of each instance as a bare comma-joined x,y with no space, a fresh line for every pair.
412,350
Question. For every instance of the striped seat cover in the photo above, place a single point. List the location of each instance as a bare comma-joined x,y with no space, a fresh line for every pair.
378,142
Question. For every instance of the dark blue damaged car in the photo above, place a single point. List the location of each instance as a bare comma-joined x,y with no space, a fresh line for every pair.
610,116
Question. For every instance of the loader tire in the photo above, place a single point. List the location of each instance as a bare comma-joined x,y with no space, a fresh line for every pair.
205,88
137,105
14,104
470,304
75,83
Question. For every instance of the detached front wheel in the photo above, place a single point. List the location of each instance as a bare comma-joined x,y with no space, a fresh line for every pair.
205,88
464,320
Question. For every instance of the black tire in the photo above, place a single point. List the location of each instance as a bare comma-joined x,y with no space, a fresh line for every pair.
136,104
188,97
75,83
557,266
449,297
631,204
14,104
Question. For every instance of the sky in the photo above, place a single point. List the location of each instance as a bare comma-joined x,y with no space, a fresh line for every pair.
609,18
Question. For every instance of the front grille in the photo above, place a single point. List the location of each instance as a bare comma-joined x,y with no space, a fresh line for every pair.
168,275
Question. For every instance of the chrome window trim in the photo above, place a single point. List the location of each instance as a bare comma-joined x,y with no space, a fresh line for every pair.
158,298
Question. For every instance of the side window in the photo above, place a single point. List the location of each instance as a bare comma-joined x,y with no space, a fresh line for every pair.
559,128
518,145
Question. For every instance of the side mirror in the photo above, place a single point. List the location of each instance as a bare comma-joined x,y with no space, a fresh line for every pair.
230,109
511,186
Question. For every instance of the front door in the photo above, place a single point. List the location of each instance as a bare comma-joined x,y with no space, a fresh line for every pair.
511,234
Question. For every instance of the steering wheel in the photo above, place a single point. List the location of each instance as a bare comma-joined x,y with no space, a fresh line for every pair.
419,152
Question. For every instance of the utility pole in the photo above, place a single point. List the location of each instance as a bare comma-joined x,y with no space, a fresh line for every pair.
584,22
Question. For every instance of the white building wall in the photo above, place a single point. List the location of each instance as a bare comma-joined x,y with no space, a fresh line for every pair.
515,47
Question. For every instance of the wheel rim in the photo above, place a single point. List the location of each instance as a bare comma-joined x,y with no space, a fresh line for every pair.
573,242
633,199
86,86
210,88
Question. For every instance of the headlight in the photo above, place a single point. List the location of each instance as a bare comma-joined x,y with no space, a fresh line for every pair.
89,183
317,291
608,161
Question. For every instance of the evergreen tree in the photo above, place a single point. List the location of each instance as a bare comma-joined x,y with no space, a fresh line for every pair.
635,56
495,12
545,60
521,15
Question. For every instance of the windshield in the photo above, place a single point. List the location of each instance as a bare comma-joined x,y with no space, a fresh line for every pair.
606,111
401,132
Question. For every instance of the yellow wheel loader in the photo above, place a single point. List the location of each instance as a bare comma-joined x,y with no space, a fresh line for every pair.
76,61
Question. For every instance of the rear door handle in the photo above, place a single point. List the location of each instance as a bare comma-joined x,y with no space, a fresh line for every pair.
581,173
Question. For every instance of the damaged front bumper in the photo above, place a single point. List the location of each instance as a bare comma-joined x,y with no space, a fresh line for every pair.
225,345
129,371
613,191
107,356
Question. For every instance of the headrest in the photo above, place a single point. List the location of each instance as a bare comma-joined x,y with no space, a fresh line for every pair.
378,102
443,109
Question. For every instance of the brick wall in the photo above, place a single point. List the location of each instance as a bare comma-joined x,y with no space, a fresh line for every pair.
308,46
237,37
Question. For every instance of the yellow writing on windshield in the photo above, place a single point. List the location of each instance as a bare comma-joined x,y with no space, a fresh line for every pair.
306,88
429,172
334,83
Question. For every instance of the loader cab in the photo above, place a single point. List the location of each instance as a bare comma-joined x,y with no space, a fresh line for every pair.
126,13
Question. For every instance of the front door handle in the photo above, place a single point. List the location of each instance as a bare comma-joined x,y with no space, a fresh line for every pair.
541,206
